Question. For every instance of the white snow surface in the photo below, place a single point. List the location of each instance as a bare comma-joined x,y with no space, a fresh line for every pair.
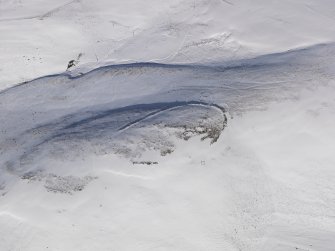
186,125
40,37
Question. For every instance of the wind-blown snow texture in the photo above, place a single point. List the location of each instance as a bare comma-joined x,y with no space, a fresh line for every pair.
212,148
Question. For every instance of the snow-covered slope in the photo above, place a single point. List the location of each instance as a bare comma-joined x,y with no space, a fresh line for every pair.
184,125
172,157
41,37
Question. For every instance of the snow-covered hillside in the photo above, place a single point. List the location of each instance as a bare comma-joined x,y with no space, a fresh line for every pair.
40,37
185,125
168,157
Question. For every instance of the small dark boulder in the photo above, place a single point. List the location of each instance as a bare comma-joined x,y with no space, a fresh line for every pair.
71,64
